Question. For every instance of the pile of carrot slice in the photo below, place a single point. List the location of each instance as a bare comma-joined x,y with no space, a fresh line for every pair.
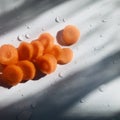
22,63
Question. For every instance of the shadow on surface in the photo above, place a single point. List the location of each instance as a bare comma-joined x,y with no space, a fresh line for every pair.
64,94
29,10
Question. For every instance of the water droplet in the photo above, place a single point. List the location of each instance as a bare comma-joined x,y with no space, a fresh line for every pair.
82,101
20,38
24,115
58,19
60,75
43,29
64,20
28,27
33,105
27,36
104,21
101,88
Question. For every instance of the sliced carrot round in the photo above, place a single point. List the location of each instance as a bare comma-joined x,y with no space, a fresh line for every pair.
1,68
28,69
66,56
46,40
25,51
47,63
37,48
12,75
70,34
8,54
55,51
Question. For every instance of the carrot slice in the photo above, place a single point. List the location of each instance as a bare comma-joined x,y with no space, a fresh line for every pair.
55,51
37,48
47,63
70,34
8,54
66,56
28,69
1,68
25,51
46,40
12,75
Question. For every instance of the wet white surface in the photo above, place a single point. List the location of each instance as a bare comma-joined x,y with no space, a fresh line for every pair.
88,86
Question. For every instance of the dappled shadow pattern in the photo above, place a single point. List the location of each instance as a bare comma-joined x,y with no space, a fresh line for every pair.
61,96
29,10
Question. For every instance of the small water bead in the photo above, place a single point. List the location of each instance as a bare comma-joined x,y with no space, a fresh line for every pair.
101,88
104,21
82,101
58,19
20,37
27,36
60,75
43,29
64,20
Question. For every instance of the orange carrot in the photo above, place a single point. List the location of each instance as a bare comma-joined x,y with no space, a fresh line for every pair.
12,75
66,56
1,68
70,34
47,63
28,69
37,48
25,51
46,40
8,54
55,51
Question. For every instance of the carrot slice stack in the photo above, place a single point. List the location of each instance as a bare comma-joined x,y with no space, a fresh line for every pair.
28,69
47,63
37,48
8,54
12,75
55,51
46,40
25,51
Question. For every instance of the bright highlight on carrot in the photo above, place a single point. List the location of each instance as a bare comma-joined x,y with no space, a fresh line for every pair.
8,54
39,56
12,75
